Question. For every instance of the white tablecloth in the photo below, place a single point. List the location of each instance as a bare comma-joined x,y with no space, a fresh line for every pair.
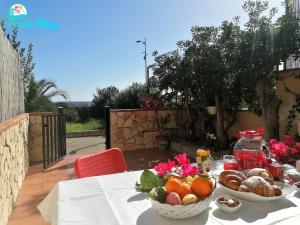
112,200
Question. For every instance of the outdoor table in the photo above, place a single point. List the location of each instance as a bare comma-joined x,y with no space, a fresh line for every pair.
112,200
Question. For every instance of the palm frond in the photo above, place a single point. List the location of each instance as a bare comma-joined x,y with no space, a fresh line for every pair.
44,85
58,92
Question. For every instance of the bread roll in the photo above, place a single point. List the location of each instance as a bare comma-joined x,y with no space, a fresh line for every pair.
233,184
231,179
262,173
257,185
243,188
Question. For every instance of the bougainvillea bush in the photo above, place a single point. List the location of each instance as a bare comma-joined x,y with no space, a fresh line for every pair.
284,151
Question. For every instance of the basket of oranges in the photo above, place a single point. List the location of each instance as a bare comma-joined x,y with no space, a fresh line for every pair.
177,191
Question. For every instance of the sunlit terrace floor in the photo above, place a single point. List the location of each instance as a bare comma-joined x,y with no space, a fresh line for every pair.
38,183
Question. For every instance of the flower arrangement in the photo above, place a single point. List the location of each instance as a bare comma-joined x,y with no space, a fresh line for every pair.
283,150
182,168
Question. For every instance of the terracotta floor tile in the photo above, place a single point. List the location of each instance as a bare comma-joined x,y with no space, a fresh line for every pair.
33,189
21,212
39,183
29,220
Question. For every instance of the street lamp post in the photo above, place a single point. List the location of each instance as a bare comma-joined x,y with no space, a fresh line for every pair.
145,58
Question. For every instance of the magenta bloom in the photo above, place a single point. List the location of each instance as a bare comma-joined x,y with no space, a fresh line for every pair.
188,170
293,151
288,140
182,159
278,148
171,165
183,168
164,168
261,130
161,169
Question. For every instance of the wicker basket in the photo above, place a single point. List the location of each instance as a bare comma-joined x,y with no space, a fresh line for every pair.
181,211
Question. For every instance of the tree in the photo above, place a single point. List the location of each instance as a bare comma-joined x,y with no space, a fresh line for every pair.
204,74
213,52
2,25
171,76
103,97
38,97
266,44
26,57
83,113
130,97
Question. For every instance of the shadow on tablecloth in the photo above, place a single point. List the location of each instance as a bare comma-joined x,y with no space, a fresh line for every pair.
137,197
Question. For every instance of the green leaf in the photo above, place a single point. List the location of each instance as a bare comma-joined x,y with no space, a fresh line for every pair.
149,181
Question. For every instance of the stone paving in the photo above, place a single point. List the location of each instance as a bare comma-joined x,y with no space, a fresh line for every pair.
85,145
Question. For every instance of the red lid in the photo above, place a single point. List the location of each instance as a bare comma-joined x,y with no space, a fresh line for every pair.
250,133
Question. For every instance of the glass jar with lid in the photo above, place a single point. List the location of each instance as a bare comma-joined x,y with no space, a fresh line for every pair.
251,150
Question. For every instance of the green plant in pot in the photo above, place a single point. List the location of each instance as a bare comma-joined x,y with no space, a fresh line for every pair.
211,106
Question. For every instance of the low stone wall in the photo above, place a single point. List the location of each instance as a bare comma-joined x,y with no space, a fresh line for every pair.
87,133
14,161
135,129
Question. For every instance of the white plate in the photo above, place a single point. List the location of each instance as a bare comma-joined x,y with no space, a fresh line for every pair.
298,189
286,189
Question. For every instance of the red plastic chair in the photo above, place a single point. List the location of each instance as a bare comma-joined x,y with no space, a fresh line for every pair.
107,162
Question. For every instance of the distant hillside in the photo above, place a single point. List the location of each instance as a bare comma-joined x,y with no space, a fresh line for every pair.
75,103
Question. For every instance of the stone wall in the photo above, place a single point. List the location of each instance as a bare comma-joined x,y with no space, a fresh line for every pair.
135,129
14,161
11,85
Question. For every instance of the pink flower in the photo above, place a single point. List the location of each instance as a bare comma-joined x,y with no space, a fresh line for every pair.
293,151
261,130
272,142
182,159
164,168
278,148
288,140
283,151
188,170
171,165
161,169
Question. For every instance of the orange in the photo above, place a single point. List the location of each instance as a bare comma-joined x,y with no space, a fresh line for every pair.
185,190
173,185
202,187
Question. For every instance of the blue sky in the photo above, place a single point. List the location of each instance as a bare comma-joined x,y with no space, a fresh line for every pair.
95,43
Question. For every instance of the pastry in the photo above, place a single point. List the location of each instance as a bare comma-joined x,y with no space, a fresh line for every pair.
257,185
231,179
262,173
